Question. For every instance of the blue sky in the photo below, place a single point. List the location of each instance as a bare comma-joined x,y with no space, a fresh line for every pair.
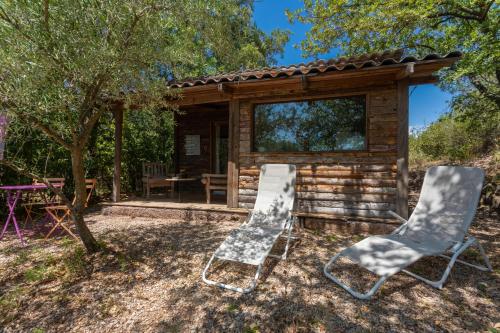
427,102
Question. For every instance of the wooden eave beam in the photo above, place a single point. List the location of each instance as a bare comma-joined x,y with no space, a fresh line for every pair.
304,81
414,81
225,88
407,71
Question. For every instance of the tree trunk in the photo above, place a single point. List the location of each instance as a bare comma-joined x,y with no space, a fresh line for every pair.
80,201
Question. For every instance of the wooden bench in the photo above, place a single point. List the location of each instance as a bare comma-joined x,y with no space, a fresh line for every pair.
155,175
213,182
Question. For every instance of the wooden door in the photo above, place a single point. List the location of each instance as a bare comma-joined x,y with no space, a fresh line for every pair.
220,145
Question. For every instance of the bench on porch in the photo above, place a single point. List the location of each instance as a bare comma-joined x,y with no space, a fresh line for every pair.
213,182
155,175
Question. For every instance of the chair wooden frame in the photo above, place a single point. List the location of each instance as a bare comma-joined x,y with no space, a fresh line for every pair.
61,213
155,175
44,200
214,182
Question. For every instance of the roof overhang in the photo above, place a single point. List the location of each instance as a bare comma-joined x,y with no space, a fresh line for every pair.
318,83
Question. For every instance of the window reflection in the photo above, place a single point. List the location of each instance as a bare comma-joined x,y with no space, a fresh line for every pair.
319,125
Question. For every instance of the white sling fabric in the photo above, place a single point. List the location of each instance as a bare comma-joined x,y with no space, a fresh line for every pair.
444,212
252,242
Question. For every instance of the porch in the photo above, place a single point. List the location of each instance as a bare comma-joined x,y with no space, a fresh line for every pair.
191,207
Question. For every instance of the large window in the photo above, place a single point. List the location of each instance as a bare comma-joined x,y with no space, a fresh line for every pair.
319,125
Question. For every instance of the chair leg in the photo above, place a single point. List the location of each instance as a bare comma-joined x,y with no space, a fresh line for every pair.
454,258
287,246
207,191
29,218
68,230
59,222
172,190
366,296
228,286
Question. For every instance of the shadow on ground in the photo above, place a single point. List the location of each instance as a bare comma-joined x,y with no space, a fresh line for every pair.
150,280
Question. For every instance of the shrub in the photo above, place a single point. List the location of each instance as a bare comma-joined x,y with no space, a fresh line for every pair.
455,137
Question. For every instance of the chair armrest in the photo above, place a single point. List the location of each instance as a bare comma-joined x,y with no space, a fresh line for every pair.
402,227
397,216
291,220
247,219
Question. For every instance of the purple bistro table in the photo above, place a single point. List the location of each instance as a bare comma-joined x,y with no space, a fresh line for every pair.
13,195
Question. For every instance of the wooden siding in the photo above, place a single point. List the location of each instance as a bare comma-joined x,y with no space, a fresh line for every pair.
333,184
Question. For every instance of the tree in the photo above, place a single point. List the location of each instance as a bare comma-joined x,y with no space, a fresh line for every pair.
419,27
64,64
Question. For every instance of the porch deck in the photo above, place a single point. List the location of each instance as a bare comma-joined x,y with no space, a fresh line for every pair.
192,206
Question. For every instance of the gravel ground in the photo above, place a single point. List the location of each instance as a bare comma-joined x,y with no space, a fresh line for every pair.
149,280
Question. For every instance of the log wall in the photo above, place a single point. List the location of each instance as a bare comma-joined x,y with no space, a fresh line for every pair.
339,184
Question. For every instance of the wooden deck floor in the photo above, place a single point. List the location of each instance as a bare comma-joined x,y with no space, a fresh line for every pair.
189,202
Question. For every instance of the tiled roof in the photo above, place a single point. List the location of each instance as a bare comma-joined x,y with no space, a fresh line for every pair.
318,66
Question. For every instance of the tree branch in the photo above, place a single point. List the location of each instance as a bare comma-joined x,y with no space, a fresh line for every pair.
455,15
46,15
18,27
484,90
91,97
466,13
487,7
89,125
52,134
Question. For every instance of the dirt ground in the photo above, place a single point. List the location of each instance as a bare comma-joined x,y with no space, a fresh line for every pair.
149,280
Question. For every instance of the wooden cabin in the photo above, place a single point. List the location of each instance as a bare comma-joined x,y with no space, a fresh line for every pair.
342,122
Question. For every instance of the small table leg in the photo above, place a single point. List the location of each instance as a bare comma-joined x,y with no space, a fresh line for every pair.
172,189
179,190
11,203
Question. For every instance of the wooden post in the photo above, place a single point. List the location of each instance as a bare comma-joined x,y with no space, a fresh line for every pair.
402,146
118,114
233,154
177,149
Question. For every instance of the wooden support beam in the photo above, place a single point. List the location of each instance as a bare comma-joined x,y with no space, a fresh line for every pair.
423,80
225,88
233,154
177,148
304,82
118,115
408,70
402,149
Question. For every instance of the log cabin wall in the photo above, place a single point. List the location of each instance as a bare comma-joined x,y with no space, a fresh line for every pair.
358,185
347,187
196,122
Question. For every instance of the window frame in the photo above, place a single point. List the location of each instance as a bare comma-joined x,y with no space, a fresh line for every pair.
365,114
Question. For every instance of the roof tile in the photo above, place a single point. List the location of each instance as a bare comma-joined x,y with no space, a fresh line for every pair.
318,66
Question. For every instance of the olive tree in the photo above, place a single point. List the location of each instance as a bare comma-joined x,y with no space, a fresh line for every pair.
63,64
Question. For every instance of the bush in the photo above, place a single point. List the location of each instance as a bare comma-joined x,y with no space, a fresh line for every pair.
455,138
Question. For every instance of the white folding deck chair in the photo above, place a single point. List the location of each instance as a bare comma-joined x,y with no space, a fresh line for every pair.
271,216
438,225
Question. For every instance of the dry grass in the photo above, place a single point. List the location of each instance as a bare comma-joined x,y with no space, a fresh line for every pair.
149,280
